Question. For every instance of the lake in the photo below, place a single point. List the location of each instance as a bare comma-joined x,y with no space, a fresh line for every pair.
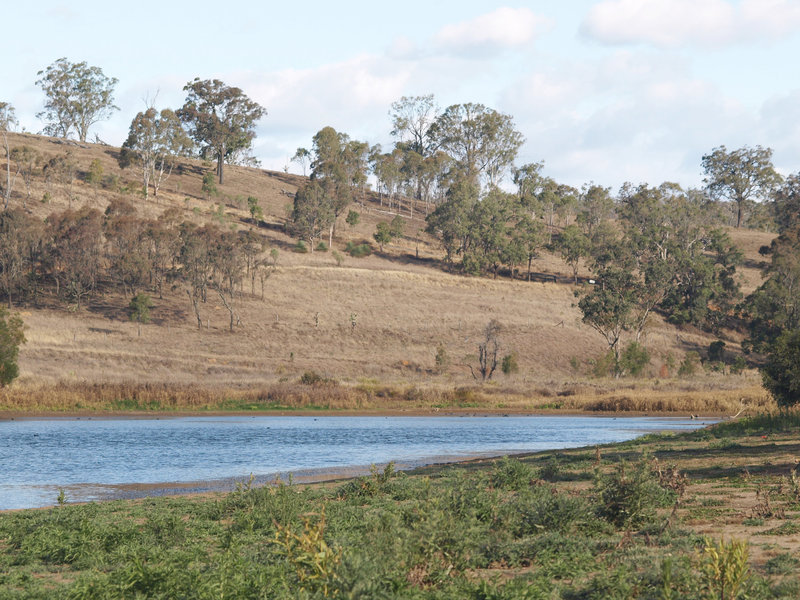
101,459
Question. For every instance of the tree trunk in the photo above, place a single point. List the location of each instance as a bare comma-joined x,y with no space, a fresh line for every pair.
739,212
220,161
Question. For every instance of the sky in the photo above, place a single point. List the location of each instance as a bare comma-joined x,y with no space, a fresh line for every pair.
604,91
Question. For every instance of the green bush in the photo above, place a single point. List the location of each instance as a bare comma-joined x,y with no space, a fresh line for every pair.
781,373
739,364
300,247
629,495
512,474
140,307
11,337
634,359
322,247
358,250
352,218
510,363
716,351
689,364
605,365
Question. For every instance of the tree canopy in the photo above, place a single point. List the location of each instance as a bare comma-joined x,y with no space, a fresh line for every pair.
78,96
220,118
740,176
154,141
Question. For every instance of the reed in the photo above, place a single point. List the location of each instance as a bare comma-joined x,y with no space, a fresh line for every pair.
327,394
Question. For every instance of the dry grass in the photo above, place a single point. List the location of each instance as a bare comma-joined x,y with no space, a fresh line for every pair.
405,306
62,397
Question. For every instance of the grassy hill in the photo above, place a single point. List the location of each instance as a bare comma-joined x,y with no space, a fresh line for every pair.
372,324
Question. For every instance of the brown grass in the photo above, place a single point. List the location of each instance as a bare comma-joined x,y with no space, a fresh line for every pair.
405,306
332,396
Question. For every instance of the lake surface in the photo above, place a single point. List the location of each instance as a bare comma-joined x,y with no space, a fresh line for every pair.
99,459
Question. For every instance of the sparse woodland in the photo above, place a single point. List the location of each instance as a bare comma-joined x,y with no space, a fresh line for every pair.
87,222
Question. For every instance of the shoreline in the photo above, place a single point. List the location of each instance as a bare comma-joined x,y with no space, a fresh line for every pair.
87,493
6,415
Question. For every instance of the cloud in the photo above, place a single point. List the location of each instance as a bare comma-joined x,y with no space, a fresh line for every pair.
674,23
625,117
493,32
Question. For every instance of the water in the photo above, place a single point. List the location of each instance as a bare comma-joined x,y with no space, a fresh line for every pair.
97,459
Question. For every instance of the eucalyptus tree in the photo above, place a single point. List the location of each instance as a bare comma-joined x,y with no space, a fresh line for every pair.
7,122
412,118
451,220
311,212
787,203
78,96
75,251
302,157
155,140
741,176
18,232
482,141
220,118
595,205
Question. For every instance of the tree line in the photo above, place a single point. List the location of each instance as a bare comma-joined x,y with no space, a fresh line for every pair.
648,248
216,121
74,254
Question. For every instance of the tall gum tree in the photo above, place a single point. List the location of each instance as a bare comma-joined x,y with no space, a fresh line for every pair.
483,141
220,118
155,140
78,96
741,176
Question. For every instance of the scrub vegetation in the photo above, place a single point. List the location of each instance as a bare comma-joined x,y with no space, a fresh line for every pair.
707,514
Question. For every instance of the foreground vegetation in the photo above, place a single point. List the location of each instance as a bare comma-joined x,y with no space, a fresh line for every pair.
708,514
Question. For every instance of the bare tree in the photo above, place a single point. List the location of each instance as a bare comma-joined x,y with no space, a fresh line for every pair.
488,350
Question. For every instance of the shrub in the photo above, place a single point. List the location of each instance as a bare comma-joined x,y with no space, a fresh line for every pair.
383,234
358,250
689,364
604,365
629,495
781,373
724,568
634,359
716,351
544,509
311,378
300,247
352,218
140,307
209,186
11,336
512,474
322,247
510,363
337,256
441,359
739,364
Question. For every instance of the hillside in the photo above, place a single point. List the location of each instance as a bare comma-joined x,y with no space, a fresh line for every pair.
375,319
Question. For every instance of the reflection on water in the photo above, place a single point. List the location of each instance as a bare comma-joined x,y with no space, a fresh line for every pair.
100,459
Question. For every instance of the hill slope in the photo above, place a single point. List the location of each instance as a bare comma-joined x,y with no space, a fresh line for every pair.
381,317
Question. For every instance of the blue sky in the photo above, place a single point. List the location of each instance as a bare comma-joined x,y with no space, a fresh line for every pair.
603,90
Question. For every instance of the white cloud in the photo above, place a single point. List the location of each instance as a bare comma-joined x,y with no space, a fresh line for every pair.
624,117
501,29
672,23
